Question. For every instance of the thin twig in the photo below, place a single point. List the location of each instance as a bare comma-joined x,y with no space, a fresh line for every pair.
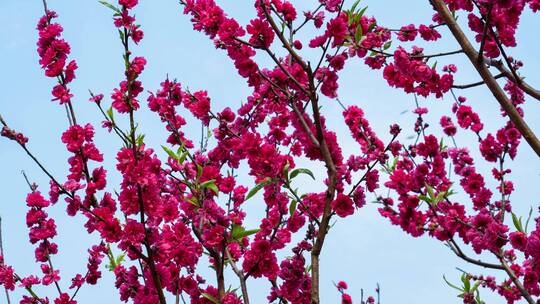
475,84
516,281
241,277
484,36
3,257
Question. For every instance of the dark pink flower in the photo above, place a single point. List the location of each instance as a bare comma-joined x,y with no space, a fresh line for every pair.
128,4
261,33
343,205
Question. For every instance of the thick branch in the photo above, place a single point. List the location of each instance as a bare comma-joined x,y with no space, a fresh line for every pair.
330,193
151,262
326,155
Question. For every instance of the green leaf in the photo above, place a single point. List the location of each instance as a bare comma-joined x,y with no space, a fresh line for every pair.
112,265
210,184
425,198
449,193
183,154
295,172
355,4
466,283
258,187
478,300
238,232
193,201
358,34
110,113
199,170
528,219
247,233
183,157
180,149
286,170
170,152
442,146
114,8
517,222
451,285
394,164
140,139
113,262
214,188
120,259
292,207
475,286
430,191
387,45
372,26
210,297
356,18
122,36
439,198
362,11
349,17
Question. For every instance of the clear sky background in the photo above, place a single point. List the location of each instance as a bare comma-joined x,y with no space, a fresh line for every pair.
363,250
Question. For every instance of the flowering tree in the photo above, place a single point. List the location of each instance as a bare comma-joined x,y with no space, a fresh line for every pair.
170,215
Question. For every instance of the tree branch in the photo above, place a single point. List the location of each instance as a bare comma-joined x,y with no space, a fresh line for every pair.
488,78
484,36
241,277
516,281
474,84
3,257
518,81
457,250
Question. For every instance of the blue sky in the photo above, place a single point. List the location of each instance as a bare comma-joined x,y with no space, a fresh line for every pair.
363,249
